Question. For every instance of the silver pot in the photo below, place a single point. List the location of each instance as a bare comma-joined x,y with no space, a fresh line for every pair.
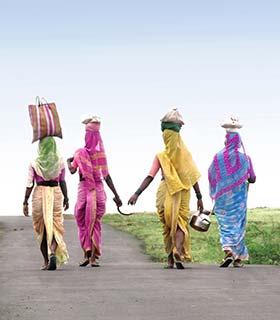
200,221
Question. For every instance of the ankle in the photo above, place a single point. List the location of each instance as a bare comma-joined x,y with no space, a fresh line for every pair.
170,259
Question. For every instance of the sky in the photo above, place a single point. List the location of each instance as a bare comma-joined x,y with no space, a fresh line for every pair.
129,62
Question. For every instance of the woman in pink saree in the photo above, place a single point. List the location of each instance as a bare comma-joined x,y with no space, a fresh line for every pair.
91,203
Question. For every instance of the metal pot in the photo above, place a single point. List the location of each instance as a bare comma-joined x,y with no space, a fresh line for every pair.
200,221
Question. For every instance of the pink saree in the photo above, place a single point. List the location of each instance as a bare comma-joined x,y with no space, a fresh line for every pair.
91,202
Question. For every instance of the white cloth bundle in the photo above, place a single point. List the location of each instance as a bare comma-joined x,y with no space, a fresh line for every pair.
90,118
173,116
231,124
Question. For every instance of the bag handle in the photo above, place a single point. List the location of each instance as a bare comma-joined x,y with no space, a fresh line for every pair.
38,101
41,101
44,100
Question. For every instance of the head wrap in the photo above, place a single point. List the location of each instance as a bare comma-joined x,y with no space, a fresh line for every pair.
48,163
92,159
171,126
93,126
229,167
179,169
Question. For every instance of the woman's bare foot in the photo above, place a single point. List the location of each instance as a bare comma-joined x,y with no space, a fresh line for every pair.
227,261
177,255
94,259
94,262
178,260
238,263
45,266
84,263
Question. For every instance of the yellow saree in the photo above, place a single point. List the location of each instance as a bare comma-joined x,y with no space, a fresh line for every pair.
180,174
47,213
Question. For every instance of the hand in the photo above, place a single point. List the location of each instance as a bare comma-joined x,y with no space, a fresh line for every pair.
133,199
65,203
25,209
117,201
200,205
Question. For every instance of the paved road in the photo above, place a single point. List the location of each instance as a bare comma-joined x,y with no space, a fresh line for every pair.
127,286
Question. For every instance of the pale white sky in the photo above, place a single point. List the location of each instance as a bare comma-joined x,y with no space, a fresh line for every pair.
129,63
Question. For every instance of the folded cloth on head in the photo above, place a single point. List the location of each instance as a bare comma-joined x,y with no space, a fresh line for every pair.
90,118
173,116
231,124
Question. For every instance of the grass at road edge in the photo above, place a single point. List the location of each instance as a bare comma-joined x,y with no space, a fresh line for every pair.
262,237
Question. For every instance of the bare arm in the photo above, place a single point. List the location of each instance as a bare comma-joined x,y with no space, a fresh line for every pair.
28,192
146,182
71,169
200,206
110,184
63,188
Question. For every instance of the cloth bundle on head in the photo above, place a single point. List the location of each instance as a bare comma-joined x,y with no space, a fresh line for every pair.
173,116
92,159
231,124
48,163
90,119
173,120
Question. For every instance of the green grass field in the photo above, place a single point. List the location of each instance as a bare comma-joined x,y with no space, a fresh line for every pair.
262,238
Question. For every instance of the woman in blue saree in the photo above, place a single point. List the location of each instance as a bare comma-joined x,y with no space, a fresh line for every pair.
229,175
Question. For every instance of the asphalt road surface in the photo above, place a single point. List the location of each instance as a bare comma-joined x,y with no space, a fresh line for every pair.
127,285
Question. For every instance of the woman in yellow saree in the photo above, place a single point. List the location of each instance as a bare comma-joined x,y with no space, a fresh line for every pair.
179,175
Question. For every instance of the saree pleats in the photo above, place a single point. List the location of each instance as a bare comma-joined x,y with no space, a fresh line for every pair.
47,213
231,211
173,211
89,210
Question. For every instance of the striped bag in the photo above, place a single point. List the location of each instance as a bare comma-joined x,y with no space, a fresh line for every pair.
44,120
